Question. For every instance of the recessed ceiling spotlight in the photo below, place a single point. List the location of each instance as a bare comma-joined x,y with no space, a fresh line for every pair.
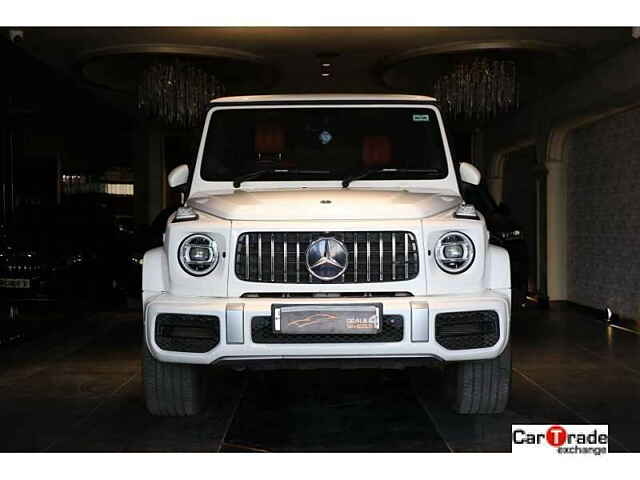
325,74
326,64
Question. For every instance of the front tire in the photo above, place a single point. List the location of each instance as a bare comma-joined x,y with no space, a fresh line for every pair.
173,389
480,386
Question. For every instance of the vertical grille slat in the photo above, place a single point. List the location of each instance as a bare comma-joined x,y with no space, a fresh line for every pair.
368,258
246,252
259,257
380,256
298,258
355,258
406,256
273,258
284,258
393,256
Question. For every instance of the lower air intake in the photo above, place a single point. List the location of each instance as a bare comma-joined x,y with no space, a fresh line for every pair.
262,332
466,330
187,333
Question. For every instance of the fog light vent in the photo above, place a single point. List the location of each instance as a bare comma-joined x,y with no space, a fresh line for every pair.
465,330
187,333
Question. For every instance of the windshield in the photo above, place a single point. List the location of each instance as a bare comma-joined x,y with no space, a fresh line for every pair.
324,144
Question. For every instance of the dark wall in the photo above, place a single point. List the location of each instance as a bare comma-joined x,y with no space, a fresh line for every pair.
519,194
607,85
51,126
604,214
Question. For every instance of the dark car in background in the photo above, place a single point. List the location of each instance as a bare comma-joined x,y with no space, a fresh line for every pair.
505,232
49,259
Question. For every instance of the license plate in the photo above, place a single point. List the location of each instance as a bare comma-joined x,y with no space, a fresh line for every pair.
327,319
15,283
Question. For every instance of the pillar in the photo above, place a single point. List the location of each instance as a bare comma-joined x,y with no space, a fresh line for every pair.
149,173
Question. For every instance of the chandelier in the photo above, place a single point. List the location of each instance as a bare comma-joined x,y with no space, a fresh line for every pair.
479,89
177,92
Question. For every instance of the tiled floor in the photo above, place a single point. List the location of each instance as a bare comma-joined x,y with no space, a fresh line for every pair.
83,392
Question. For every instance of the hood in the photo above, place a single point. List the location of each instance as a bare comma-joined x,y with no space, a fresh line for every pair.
336,204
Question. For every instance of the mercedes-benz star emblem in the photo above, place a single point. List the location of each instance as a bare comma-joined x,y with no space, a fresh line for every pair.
327,258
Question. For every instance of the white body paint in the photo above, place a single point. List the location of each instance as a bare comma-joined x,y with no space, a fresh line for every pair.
423,207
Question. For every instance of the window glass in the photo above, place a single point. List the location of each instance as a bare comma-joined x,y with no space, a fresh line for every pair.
340,140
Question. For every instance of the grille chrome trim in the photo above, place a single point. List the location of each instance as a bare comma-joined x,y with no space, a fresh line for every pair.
381,248
298,259
324,294
381,262
406,258
247,256
368,258
284,257
273,270
355,258
259,257
393,256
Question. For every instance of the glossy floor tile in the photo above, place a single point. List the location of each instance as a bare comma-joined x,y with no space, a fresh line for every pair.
327,410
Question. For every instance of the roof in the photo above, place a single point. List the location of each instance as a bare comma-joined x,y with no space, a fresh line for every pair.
325,97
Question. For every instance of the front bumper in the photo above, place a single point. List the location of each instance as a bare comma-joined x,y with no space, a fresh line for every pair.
235,315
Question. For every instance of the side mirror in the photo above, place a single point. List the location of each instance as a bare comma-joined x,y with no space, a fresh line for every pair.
179,176
470,174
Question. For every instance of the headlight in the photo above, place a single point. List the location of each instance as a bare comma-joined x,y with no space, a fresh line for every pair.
198,254
454,252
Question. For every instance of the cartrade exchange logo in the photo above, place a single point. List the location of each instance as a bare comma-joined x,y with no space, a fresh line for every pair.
562,439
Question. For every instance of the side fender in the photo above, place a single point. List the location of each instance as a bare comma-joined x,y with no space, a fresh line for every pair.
497,269
155,273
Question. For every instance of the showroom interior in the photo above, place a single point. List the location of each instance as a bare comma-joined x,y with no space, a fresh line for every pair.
87,144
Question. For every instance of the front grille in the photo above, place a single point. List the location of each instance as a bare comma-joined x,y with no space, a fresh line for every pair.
187,333
391,331
464,330
279,257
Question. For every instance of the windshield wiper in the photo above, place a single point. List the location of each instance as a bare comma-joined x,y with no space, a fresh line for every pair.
373,171
270,171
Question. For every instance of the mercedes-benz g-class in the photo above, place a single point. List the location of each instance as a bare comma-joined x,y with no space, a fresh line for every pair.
325,230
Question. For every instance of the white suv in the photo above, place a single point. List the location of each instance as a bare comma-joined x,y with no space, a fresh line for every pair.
328,231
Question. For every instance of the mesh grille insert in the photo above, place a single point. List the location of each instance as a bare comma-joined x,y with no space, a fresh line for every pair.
465,330
187,333
262,332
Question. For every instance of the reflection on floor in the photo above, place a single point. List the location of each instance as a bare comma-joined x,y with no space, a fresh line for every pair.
325,410
81,391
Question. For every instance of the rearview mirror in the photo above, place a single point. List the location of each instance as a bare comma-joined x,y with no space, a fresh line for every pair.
470,174
178,176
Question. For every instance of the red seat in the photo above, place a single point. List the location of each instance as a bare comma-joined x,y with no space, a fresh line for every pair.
270,146
376,151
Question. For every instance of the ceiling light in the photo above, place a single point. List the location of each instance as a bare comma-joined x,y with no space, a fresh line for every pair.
478,89
325,74
177,92
326,64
